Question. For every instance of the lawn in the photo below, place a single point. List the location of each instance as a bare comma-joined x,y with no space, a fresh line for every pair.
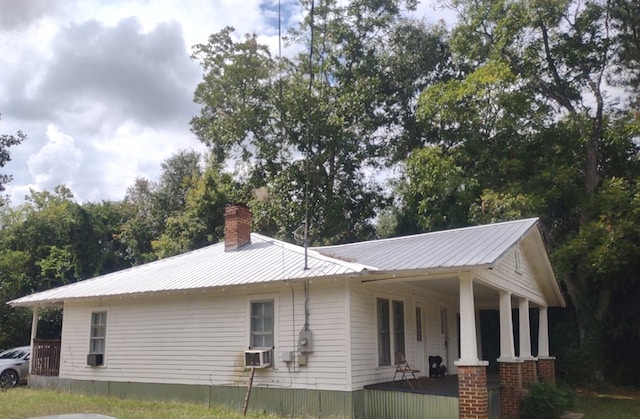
614,404
23,402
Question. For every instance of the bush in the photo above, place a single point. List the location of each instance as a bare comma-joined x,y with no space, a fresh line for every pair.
545,401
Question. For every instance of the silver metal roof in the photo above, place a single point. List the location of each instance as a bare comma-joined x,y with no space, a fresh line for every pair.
264,260
267,259
465,247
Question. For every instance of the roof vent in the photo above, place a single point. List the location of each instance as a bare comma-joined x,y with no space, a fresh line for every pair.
237,227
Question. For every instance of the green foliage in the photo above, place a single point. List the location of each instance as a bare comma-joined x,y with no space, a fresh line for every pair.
314,148
201,221
7,141
545,401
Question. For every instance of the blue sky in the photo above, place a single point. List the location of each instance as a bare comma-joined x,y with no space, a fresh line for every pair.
104,90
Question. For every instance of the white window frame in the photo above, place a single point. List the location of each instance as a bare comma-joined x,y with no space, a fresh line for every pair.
392,344
92,311
257,299
517,262
101,337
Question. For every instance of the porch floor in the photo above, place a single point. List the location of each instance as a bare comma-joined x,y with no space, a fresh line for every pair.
441,386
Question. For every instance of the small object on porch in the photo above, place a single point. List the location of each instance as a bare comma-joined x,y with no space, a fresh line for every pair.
436,369
403,369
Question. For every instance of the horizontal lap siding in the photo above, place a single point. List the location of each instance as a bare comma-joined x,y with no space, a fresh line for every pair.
201,339
523,283
364,351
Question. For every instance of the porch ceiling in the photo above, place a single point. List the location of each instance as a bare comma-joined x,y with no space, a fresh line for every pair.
485,297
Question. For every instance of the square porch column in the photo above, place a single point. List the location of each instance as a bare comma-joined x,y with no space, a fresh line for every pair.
546,363
529,366
473,395
511,389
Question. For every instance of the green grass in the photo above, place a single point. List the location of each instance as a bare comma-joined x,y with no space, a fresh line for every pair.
22,402
612,405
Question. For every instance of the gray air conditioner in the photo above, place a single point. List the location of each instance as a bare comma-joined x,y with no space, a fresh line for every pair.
95,359
257,358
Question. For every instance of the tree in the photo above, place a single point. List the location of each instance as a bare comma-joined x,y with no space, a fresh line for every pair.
7,141
46,242
316,127
530,126
201,222
143,221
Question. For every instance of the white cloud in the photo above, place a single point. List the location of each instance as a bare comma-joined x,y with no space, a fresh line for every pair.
111,83
57,162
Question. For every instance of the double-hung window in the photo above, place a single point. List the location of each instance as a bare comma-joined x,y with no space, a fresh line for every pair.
97,341
262,324
390,317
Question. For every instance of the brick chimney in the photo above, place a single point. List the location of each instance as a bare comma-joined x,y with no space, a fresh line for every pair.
237,227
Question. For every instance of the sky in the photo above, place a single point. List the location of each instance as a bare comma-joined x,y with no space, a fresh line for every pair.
103,89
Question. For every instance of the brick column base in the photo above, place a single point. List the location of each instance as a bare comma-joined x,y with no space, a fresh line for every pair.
510,388
547,369
529,372
472,392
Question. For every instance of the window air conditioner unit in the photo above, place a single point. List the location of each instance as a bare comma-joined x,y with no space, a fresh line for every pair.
257,358
95,359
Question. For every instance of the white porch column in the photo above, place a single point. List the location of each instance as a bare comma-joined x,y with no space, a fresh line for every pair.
468,341
507,350
34,325
525,329
543,333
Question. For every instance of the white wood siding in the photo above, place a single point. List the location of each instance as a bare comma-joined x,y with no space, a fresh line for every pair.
522,283
201,338
364,349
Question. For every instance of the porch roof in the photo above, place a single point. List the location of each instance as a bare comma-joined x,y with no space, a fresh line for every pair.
478,246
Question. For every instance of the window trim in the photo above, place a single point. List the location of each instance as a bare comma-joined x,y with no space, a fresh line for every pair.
391,334
256,298
92,311
517,262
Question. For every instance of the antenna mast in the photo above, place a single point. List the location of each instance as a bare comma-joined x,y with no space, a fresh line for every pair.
308,150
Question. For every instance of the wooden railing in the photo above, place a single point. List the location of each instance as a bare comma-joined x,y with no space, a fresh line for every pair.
45,359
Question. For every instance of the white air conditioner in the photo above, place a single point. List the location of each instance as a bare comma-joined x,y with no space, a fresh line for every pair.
257,358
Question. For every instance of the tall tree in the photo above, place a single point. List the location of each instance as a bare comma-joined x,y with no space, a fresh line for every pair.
530,125
316,127
201,221
46,242
7,141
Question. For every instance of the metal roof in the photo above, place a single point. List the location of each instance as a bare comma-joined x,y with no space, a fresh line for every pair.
267,259
465,247
264,260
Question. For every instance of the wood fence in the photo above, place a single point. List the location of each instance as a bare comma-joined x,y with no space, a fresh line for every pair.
45,359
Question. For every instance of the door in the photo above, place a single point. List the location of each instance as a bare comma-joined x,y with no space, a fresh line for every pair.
444,336
420,335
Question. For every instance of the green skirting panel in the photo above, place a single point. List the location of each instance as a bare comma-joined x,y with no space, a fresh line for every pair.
361,404
384,404
280,401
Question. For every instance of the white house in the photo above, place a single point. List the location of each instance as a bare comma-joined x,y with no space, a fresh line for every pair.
185,327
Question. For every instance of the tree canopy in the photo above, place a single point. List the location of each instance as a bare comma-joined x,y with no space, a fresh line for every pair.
515,111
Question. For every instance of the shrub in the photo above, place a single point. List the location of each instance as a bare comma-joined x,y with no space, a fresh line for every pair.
545,401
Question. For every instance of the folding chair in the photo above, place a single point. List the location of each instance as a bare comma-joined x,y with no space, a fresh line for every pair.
403,369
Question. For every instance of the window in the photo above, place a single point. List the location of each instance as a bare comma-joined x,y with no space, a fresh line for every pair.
98,332
390,329
384,332
517,262
418,324
262,324
398,326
